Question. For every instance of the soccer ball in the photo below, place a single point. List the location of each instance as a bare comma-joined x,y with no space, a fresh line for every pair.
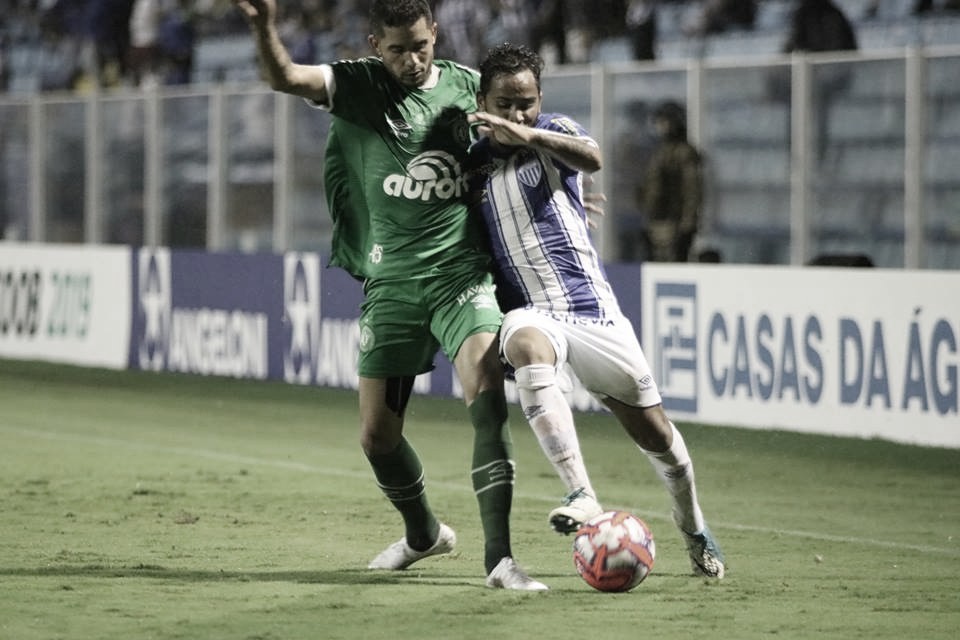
614,551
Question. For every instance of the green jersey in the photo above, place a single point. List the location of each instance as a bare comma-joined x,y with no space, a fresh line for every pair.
394,183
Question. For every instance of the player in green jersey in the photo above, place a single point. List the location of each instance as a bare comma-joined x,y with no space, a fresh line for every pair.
394,186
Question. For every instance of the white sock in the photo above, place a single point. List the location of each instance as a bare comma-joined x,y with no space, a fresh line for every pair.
551,419
676,470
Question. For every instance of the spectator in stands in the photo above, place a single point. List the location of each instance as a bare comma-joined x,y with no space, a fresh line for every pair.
717,16
672,190
464,28
589,22
108,24
579,29
927,6
176,43
512,21
819,25
608,21
641,22
66,51
549,29
816,26
349,30
144,31
297,35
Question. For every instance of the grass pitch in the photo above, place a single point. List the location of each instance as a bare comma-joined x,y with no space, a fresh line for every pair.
143,506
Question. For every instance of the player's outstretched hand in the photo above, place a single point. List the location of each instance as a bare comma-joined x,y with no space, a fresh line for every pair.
505,132
258,11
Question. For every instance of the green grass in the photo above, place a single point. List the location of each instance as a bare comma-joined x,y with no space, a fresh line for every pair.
142,506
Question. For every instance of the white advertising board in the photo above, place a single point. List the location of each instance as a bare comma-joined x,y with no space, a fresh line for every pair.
850,352
65,303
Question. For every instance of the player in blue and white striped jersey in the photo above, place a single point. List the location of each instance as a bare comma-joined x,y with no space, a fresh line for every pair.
526,177
533,207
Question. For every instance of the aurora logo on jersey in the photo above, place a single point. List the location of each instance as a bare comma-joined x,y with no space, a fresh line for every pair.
433,175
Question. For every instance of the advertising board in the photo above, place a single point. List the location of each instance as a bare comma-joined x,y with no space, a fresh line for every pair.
858,352
65,303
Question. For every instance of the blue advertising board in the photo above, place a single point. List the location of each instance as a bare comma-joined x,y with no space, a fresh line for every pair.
204,313
281,317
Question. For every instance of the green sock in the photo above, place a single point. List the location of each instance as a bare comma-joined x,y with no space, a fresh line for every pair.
493,473
400,477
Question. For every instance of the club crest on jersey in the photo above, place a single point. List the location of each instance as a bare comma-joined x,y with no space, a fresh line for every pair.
367,339
530,172
452,121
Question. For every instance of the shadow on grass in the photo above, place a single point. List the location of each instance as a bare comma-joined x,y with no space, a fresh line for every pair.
332,577
339,577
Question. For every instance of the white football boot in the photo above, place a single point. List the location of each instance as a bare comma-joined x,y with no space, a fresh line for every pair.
577,508
400,555
508,575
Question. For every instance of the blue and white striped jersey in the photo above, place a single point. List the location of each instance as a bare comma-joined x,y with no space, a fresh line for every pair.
532,205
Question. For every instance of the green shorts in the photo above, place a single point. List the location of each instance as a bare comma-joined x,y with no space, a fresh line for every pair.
404,322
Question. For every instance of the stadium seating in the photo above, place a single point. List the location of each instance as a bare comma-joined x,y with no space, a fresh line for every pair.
857,184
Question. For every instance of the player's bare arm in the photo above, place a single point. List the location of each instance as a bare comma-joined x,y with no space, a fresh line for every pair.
282,73
579,153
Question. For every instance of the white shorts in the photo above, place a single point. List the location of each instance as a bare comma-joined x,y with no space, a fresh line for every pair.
604,354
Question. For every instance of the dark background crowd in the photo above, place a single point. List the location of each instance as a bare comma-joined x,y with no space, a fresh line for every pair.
80,43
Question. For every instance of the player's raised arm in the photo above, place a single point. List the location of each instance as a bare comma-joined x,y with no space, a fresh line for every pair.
282,73
577,152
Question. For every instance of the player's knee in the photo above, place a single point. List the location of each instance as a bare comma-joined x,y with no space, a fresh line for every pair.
528,345
535,376
376,442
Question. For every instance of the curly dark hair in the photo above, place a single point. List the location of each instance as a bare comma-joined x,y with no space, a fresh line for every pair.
397,13
509,59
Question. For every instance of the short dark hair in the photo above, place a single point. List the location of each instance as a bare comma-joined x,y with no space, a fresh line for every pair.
397,13
509,59
676,117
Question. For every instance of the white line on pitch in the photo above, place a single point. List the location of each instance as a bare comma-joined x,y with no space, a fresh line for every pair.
309,468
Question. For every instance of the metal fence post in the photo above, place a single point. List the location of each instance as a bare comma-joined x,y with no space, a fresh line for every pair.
153,196
282,170
37,231
800,158
93,212
218,171
914,239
